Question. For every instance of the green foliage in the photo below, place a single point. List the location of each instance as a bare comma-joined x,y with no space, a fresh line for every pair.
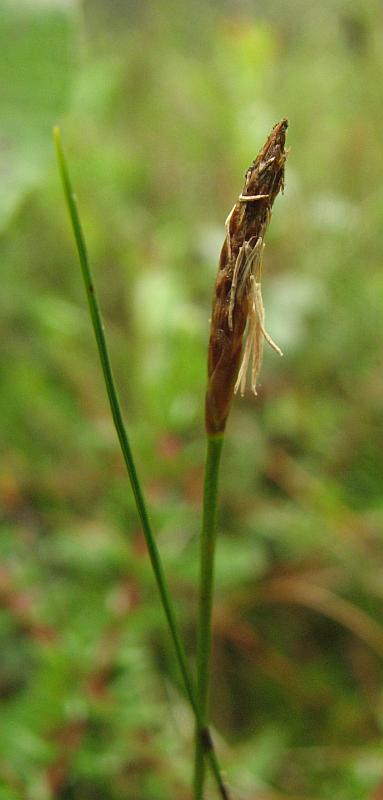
163,107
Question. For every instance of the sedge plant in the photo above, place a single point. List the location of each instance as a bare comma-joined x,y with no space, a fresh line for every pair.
237,314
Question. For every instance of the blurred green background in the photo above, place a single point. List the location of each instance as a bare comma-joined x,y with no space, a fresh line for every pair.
163,105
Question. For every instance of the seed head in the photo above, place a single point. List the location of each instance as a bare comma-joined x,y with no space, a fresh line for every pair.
237,302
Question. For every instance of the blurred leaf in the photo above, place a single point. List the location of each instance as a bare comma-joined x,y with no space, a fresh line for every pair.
36,75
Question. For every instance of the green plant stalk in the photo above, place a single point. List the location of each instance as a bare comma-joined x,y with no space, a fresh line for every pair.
205,601
203,731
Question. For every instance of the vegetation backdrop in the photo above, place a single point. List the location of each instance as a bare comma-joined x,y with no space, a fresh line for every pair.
163,105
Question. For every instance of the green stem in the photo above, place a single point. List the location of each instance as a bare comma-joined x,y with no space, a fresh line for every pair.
203,732
205,605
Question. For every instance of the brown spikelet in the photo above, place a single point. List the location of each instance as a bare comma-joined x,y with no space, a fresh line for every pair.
237,299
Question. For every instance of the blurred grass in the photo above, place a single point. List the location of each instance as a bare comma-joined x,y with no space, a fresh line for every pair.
164,106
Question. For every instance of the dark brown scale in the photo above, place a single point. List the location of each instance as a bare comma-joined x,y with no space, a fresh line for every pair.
248,220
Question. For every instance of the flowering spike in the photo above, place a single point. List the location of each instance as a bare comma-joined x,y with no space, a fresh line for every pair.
237,302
